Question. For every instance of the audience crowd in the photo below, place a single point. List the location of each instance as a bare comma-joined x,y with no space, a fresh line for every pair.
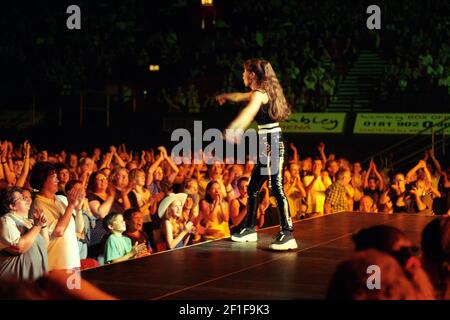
70,211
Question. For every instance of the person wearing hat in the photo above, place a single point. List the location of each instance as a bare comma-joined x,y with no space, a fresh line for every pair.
175,228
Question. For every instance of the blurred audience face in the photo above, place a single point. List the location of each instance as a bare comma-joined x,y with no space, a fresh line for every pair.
366,204
63,176
73,160
242,186
51,183
18,165
158,174
118,224
372,184
101,183
135,223
175,209
333,168
350,279
214,191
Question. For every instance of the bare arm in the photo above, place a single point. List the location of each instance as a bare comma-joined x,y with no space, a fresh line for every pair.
106,161
367,175
170,240
152,169
435,161
295,157
321,149
8,174
379,177
63,221
246,116
233,97
26,165
412,172
172,165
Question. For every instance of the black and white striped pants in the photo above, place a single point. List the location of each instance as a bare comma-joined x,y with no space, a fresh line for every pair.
271,159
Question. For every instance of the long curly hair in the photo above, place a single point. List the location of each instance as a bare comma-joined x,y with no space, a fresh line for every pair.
266,78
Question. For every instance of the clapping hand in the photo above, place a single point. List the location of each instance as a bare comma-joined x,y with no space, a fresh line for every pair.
138,249
39,218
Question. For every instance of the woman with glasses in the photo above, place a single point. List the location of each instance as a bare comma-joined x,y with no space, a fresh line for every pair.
23,241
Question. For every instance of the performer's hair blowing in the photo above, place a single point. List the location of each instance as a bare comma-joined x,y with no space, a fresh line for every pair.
265,76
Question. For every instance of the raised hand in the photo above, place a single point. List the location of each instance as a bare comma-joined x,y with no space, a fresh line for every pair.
189,227
39,218
422,164
162,151
321,147
26,149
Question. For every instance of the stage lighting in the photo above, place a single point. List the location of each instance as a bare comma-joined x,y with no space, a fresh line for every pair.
207,3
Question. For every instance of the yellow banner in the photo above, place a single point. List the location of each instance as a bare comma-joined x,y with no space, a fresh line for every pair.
400,123
312,123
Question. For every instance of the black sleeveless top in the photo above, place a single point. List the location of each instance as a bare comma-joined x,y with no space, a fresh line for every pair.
263,117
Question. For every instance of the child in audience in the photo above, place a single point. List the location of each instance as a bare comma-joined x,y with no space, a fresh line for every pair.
119,248
134,221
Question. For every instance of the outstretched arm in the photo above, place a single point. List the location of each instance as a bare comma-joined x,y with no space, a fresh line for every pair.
233,97
246,116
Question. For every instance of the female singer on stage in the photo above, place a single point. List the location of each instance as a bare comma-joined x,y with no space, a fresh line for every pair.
267,106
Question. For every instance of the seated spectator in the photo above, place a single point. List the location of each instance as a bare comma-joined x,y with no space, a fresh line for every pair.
215,211
176,230
119,179
23,241
238,206
366,204
134,221
119,248
141,198
399,191
63,177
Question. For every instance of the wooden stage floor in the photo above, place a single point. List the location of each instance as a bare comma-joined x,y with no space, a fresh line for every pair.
226,270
